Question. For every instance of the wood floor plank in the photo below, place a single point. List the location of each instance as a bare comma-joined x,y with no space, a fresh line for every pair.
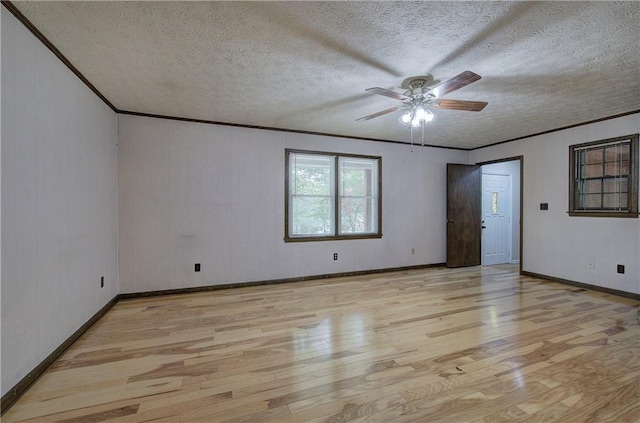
480,344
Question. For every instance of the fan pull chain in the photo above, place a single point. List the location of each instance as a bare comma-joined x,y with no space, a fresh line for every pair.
411,131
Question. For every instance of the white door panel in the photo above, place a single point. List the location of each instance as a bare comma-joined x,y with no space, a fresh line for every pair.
496,216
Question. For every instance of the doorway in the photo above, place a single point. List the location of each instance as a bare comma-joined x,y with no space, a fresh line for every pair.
496,219
464,210
500,213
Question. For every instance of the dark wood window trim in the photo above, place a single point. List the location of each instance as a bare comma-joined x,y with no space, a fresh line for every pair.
336,236
632,190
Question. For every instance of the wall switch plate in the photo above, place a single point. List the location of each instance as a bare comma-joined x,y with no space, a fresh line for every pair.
544,206
621,268
197,268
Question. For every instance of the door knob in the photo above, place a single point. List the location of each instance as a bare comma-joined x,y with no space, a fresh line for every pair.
484,227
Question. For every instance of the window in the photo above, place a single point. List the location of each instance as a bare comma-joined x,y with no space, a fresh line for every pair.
332,196
604,178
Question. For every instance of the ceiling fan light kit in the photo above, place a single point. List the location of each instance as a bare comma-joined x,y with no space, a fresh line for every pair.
417,116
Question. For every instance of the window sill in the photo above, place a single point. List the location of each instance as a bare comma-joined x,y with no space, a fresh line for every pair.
332,238
603,214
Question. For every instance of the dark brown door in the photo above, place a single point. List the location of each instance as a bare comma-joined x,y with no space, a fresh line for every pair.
464,225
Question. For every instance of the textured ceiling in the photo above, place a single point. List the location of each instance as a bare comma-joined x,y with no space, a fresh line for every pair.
305,65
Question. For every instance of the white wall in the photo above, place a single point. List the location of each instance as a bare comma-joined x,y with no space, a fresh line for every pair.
556,244
59,202
510,168
196,193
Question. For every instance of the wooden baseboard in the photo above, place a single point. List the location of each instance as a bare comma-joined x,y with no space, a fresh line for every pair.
206,288
583,285
21,387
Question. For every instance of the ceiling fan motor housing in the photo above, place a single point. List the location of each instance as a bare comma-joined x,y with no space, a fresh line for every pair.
418,90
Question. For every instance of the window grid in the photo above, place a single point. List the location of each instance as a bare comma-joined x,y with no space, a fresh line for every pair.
603,177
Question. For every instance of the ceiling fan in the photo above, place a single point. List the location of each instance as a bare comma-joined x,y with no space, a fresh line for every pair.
419,97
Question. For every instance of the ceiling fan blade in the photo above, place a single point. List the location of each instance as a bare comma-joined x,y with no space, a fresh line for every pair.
455,83
471,106
375,115
388,93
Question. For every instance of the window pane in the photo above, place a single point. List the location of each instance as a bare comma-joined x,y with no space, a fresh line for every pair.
592,201
592,187
593,156
358,176
358,185
616,168
312,216
614,201
615,185
618,152
310,174
592,171
311,203
357,215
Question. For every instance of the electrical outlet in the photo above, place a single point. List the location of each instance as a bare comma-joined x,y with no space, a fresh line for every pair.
101,281
197,268
591,265
621,268
335,256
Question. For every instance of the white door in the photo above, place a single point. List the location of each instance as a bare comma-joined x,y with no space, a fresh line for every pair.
496,216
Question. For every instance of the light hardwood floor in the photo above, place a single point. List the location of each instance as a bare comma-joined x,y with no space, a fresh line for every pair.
472,344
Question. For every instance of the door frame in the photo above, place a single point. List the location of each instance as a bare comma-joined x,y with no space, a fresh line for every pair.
521,217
